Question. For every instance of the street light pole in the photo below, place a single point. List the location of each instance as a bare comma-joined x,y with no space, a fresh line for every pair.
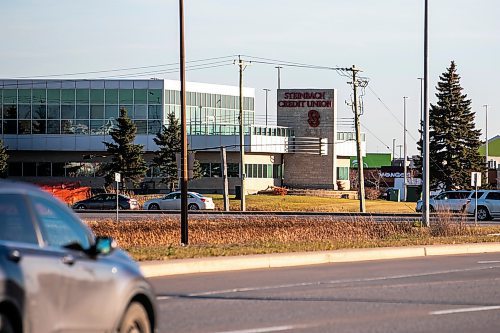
421,107
486,108
425,143
404,148
266,90
279,76
486,130
184,161
393,149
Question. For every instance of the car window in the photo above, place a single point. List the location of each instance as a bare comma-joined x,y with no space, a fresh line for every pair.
110,197
168,197
453,195
15,221
441,196
98,198
457,195
493,196
463,195
59,228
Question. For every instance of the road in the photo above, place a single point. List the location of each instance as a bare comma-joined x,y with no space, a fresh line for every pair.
155,215
433,294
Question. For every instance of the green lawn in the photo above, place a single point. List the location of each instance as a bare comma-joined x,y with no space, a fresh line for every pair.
263,202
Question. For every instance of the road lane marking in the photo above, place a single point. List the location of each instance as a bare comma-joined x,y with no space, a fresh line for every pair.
489,262
263,329
161,298
331,282
475,309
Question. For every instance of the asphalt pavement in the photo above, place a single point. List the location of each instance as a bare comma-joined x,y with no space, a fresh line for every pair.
446,293
217,264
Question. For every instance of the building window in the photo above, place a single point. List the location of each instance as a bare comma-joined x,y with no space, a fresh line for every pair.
15,169
215,170
343,173
233,170
205,169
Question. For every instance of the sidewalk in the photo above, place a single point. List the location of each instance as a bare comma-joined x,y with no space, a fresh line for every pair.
217,264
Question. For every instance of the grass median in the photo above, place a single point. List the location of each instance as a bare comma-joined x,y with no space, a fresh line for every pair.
304,203
158,239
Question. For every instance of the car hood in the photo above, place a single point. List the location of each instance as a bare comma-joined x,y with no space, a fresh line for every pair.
125,260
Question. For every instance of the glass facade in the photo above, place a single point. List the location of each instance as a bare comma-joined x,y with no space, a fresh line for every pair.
211,114
349,136
36,108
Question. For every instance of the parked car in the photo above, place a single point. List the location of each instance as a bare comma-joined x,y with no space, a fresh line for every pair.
488,204
56,276
452,201
107,201
172,201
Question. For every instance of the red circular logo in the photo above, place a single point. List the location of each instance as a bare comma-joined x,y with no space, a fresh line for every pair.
313,119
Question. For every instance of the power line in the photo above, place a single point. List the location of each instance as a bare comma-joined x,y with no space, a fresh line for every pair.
122,69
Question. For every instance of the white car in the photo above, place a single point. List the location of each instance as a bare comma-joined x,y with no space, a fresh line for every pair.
488,204
451,201
172,201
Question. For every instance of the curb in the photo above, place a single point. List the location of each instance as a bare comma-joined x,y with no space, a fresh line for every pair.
218,264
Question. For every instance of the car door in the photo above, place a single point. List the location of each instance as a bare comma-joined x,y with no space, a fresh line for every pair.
34,269
493,202
109,201
454,201
96,202
87,285
439,201
171,201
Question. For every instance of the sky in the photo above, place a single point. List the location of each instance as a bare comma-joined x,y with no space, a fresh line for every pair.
58,39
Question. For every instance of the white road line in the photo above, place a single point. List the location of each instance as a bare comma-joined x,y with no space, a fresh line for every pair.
305,284
160,298
263,329
480,308
489,262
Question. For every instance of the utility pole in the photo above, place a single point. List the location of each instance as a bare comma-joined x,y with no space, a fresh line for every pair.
425,143
242,139
361,178
404,148
266,90
224,178
279,77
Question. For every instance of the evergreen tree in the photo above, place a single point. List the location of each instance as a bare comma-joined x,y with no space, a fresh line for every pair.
169,143
126,156
453,140
3,160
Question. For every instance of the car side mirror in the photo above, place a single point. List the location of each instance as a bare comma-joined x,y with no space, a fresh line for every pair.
103,245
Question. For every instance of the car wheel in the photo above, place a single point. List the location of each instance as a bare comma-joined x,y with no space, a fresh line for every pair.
154,206
80,206
5,325
193,207
483,214
135,320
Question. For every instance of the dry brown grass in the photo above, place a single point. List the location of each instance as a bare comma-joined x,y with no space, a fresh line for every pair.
159,239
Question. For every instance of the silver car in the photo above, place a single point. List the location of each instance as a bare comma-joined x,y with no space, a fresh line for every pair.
488,204
172,201
56,276
450,201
